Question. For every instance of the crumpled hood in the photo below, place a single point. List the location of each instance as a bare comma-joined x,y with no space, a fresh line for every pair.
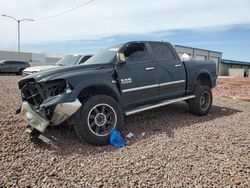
53,73
40,68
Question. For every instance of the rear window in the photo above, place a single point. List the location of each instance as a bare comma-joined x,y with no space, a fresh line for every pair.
21,63
162,52
25,63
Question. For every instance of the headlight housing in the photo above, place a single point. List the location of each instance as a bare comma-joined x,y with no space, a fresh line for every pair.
54,87
35,93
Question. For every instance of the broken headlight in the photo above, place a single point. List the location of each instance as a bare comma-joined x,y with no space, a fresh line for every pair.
56,87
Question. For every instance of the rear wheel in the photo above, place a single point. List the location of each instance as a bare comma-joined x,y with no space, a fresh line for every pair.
201,104
96,118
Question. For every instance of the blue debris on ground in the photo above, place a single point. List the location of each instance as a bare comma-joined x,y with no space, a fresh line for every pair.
116,139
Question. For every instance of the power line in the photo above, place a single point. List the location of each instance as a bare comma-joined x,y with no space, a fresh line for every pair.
64,12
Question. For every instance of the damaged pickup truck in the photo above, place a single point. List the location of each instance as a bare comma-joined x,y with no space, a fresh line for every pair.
119,81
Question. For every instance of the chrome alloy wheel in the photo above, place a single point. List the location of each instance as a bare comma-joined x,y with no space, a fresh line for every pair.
101,119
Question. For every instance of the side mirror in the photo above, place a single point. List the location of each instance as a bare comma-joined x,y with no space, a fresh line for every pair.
121,58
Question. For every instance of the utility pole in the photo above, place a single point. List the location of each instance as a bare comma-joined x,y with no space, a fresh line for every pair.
18,32
18,40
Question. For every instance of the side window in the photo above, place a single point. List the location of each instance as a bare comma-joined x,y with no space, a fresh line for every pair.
23,63
85,58
20,63
15,63
162,52
8,63
136,53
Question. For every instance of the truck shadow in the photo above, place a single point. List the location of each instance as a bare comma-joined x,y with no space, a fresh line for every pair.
164,120
169,118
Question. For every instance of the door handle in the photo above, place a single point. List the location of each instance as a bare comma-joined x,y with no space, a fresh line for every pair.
178,65
150,68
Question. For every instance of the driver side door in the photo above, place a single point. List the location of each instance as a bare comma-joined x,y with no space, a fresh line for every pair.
137,76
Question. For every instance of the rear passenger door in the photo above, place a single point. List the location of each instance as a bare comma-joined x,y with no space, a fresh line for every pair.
16,66
170,71
13,66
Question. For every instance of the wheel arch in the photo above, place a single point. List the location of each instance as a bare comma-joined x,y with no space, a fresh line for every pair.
99,89
203,78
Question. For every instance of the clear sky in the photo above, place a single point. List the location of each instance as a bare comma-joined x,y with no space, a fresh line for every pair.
219,25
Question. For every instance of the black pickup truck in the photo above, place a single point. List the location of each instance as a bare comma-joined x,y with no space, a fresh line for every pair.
116,82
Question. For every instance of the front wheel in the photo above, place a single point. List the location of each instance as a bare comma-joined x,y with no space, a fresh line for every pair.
96,118
201,104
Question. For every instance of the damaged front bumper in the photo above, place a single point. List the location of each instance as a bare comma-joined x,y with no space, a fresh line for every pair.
35,120
62,112
48,102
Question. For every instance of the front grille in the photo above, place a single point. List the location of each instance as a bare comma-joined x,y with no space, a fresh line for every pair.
32,92
35,93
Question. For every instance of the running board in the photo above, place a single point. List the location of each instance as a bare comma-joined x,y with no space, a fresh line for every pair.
163,103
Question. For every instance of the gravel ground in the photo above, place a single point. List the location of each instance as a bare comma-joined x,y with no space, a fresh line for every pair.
171,148
233,87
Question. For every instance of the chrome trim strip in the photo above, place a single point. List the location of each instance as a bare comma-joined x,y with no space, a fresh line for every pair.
150,68
174,82
178,65
140,88
164,103
152,86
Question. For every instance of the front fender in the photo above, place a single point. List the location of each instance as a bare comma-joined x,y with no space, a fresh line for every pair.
79,81
107,84
73,95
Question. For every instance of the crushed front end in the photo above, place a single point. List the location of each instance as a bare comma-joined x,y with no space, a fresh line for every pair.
46,103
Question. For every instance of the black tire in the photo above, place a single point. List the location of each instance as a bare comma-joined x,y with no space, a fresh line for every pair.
93,124
201,104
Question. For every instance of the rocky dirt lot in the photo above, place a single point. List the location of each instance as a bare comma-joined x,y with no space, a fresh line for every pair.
177,150
233,87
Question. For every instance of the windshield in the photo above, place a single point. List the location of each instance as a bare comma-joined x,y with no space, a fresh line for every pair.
68,60
103,57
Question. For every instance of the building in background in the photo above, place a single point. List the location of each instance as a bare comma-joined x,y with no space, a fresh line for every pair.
234,68
200,54
31,57
225,67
